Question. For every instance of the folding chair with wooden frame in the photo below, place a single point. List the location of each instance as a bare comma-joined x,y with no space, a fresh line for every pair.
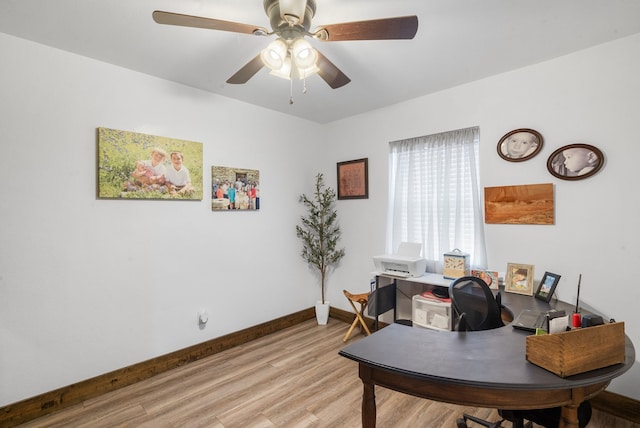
362,299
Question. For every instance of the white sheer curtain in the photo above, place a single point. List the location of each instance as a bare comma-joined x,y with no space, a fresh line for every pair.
434,196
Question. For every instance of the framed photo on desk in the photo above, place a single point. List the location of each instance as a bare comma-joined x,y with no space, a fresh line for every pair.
488,276
519,279
547,286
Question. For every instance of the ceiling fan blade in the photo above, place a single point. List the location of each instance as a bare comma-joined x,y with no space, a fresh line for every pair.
402,27
171,18
247,72
330,73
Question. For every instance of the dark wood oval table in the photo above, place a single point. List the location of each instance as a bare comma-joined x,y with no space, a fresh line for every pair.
480,369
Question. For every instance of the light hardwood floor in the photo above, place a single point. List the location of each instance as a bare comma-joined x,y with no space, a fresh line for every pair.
292,378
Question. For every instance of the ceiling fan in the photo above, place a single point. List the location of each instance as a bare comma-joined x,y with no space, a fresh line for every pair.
291,55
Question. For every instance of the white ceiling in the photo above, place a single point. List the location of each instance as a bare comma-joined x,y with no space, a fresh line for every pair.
458,41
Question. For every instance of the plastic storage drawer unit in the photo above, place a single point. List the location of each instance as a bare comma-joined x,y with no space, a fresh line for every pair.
431,313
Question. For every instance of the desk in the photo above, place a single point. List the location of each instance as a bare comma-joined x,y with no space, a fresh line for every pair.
481,369
384,296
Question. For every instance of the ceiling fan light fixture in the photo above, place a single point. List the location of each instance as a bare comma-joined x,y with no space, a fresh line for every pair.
290,20
274,55
303,73
304,54
284,72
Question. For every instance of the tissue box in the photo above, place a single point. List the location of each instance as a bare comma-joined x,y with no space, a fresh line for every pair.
578,351
456,264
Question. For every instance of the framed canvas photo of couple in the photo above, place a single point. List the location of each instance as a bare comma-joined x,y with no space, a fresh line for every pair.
131,165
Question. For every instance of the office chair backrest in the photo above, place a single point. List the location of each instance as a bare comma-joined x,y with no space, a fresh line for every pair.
475,305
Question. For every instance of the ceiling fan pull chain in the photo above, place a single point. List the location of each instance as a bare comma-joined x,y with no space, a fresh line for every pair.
290,90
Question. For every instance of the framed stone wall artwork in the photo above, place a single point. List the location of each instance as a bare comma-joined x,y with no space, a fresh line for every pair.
235,189
523,204
131,165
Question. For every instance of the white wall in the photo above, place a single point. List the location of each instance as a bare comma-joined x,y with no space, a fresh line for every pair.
88,286
590,96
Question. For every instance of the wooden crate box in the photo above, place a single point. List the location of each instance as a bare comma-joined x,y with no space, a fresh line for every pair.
578,351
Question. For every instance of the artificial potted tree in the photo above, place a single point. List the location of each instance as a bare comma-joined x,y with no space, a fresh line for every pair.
320,233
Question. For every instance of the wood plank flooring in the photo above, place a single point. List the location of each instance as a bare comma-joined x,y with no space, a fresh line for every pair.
292,378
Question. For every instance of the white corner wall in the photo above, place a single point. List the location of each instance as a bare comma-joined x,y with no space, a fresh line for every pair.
589,96
88,286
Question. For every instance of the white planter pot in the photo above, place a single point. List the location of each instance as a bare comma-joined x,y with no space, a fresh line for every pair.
322,312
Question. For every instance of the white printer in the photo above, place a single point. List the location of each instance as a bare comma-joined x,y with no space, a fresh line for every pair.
406,263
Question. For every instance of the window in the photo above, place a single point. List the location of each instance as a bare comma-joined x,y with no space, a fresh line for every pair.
434,196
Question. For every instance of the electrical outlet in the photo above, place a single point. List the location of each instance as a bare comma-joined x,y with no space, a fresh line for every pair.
203,317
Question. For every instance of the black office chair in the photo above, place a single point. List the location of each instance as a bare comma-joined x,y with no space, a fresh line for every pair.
474,304
476,309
